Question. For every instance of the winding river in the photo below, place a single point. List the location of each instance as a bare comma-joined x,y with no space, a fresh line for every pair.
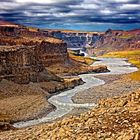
63,101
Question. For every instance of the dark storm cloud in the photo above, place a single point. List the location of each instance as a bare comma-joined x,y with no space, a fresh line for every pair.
60,12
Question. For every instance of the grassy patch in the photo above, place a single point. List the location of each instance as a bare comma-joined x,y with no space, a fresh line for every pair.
132,56
126,36
82,59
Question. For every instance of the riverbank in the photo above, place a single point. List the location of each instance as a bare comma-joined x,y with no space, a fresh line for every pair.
115,85
63,102
30,101
22,102
48,131
115,118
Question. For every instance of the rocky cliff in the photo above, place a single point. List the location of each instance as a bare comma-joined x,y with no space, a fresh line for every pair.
117,40
21,64
92,42
50,50
25,54
19,31
76,39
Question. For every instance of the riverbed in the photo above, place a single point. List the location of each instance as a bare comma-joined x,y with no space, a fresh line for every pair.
63,101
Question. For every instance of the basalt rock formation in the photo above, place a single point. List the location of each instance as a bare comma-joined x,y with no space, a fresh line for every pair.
93,42
25,54
76,39
28,55
14,30
50,50
21,64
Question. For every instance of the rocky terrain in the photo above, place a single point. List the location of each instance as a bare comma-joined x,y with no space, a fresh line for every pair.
34,65
115,40
48,52
30,62
100,43
115,118
76,39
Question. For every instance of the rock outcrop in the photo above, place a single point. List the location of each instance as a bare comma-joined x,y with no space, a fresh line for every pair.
114,119
21,64
92,42
76,39
19,31
50,50
117,40
25,54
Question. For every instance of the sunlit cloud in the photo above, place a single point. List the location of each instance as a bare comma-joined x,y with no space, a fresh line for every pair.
130,6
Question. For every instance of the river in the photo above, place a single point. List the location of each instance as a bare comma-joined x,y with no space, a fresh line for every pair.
63,101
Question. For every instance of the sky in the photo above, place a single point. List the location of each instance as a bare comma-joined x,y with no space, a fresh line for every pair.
86,15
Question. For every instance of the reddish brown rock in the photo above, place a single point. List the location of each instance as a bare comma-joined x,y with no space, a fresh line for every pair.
21,64
26,53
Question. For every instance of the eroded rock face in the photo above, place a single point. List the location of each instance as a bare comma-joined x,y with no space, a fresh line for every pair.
18,30
111,40
53,53
118,40
77,39
20,64
50,50
24,54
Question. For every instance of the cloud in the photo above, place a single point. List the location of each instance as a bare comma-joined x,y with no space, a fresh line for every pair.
40,1
61,13
130,7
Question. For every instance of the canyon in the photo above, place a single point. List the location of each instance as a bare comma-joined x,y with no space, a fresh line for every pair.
99,43
39,78
33,52
33,68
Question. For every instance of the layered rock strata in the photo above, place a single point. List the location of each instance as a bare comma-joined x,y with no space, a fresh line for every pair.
115,40
92,42
21,64
50,50
76,39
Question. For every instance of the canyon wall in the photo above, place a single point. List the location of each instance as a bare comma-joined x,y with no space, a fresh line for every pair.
19,64
53,51
117,40
18,31
50,50
76,39
25,54
99,43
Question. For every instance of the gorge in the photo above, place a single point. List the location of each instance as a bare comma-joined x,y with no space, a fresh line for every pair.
99,43
42,83
35,66
63,101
